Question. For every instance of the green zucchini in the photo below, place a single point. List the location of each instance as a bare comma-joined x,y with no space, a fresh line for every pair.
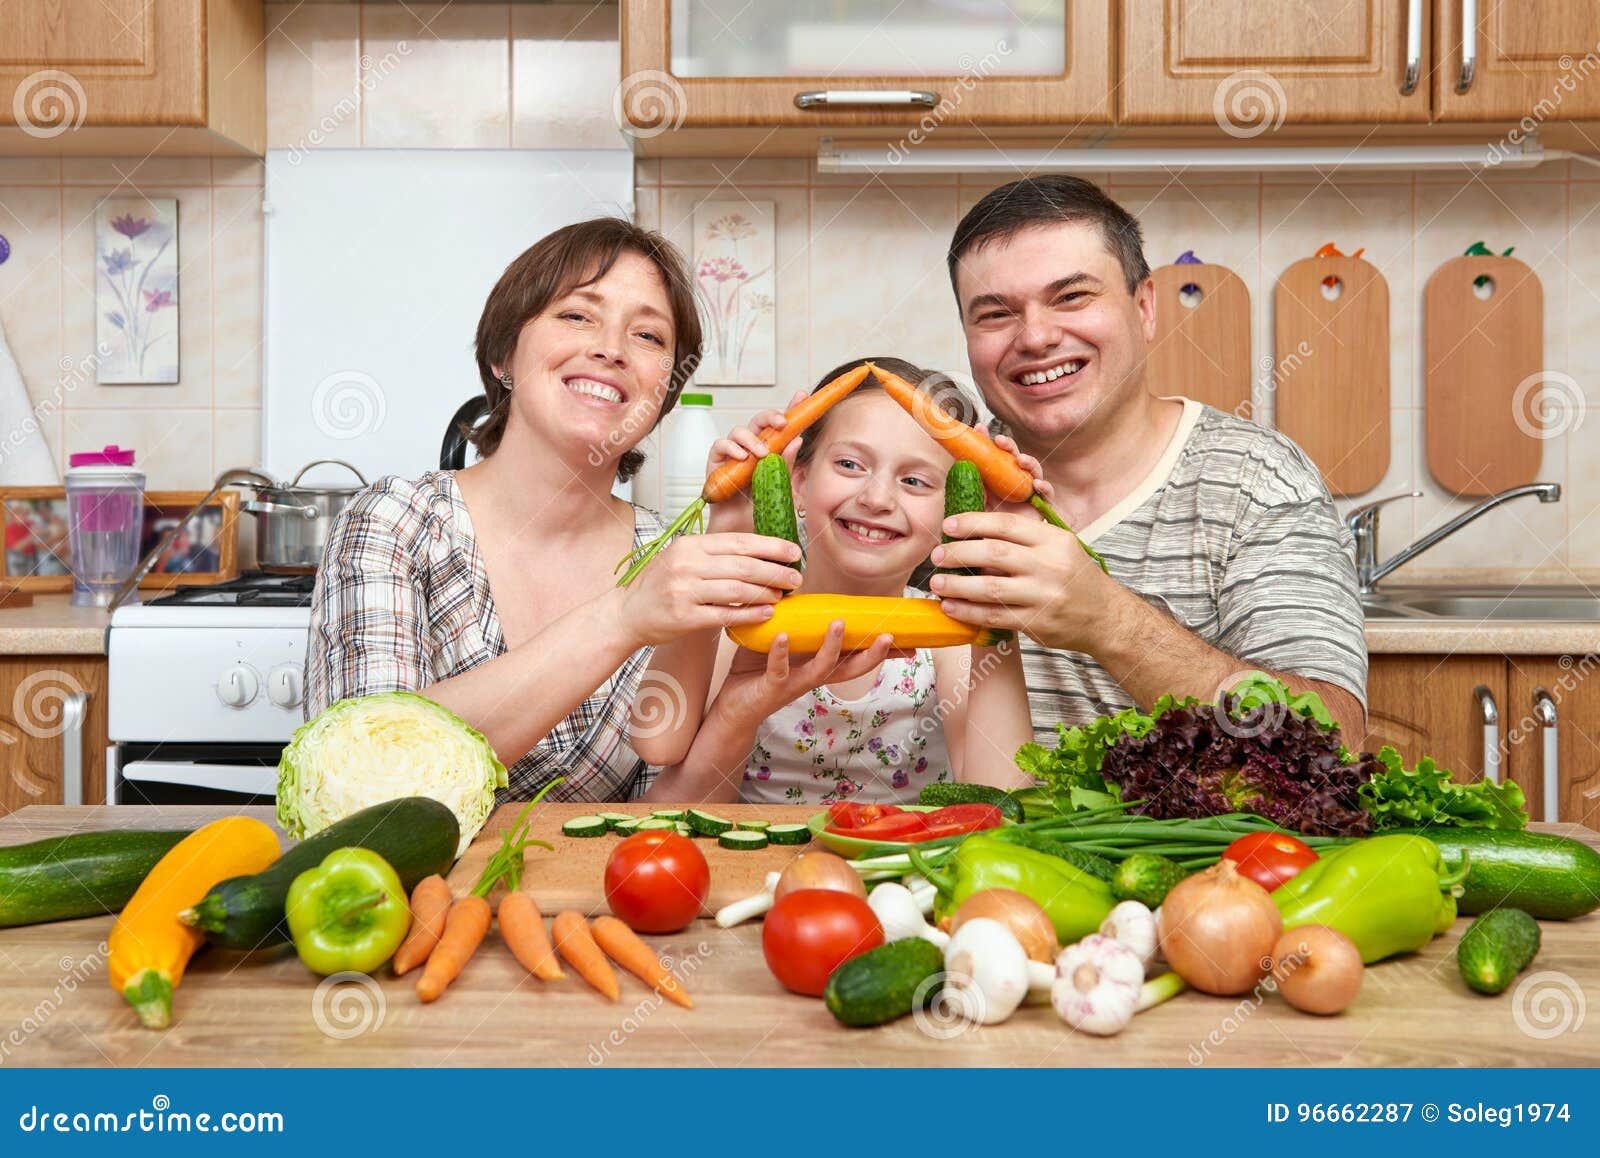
963,495
1553,878
1495,948
885,983
1146,877
772,501
789,834
415,834
84,875
942,794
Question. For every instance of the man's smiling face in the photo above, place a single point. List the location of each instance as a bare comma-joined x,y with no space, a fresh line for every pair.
1055,340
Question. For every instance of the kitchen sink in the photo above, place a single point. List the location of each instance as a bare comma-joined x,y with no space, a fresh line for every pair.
1525,604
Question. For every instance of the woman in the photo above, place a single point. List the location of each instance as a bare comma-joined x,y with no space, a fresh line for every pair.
491,589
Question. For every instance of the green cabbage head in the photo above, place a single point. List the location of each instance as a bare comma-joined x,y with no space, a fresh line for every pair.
370,749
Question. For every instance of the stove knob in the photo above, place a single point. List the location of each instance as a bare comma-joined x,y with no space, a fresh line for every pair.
238,686
283,686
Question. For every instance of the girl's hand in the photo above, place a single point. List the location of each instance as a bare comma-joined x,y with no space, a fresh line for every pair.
743,442
1030,464
757,686
707,581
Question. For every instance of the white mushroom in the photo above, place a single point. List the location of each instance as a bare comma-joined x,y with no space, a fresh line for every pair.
986,971
1134,925
1097,985
901,916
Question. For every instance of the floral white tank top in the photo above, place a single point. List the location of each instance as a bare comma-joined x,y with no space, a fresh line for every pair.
881,748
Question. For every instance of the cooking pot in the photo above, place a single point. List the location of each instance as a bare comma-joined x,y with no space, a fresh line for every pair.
292,521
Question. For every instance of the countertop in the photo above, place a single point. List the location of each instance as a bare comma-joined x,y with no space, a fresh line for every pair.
52,626
56,1007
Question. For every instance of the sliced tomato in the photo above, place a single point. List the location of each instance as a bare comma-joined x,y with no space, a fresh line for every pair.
907,826
955,819
847,814
1269,858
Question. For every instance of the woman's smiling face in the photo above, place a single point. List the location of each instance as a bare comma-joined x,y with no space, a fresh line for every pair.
591,371
872,489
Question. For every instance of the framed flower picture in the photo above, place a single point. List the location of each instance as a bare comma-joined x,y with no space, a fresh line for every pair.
734,248
136,290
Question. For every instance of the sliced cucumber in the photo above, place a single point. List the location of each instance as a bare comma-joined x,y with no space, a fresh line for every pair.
612,819
673,814
752,825
656,824
626,827
584,826
685,830
706,823
744,841
788,834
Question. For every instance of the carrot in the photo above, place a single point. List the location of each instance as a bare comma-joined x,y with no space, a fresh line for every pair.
576,944
464,930
623,946
732,477
430,903
523,929
1002,475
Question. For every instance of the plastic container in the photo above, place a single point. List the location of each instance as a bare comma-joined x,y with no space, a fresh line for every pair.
692,430
105,513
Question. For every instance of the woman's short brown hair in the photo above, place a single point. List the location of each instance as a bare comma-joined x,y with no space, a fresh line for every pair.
571,257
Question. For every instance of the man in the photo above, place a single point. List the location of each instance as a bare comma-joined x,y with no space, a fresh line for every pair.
1224,551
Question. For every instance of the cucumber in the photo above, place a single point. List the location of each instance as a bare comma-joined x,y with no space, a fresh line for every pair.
789,834
963,494
83,875
1495,948
672,814
752,825
940,795
1096,866
585,826
415,834
1553,878
885,983
626,827
772,501
683,829
1146,877
613,819
743,841
706,824
657,824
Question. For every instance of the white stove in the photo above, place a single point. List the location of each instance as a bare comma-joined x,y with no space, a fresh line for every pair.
206,688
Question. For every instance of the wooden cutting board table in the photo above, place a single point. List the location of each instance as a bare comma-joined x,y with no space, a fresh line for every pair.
56,1008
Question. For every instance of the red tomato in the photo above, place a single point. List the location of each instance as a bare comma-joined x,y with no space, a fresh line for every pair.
955,819
810,933
905,826
1269,858
657,881
847,814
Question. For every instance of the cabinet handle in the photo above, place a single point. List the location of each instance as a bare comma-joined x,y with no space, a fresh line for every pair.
834,98
1491,733
74,711
1413,48
1544,710
1469,45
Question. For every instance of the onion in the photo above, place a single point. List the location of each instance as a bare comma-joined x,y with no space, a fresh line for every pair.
1019,913
1317,969
1218,928
819,870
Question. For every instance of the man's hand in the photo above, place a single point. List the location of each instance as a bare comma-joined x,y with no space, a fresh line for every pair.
1038,580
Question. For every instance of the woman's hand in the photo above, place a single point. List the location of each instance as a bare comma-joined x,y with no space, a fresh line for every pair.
1030,464
757,686
742,442
705,582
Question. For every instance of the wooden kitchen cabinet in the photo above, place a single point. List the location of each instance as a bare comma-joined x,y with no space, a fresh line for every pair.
727,65
37,725
132,76
1429,705
1249,66
1531,60
1570,689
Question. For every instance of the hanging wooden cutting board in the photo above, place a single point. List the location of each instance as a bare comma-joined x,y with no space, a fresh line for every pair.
1201,351
1477,352
1331,369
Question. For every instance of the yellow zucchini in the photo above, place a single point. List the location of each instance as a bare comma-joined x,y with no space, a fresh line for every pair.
912,622
149,946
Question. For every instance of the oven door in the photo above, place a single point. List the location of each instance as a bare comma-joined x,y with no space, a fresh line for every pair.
230,774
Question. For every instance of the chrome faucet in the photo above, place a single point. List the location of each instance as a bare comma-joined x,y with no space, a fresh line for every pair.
1363,524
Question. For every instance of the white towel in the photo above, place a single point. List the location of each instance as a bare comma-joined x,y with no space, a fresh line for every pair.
25,458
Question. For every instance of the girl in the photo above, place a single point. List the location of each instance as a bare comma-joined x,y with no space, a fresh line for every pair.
873,725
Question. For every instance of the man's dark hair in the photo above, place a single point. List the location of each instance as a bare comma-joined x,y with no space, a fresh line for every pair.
1048,200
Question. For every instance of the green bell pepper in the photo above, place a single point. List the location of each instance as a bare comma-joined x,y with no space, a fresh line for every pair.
347,914
1388,894
1075,901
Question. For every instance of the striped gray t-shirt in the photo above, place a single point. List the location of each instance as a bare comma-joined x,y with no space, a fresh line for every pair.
1235,536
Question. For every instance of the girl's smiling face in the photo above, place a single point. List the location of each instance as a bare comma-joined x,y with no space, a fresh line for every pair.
872,490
